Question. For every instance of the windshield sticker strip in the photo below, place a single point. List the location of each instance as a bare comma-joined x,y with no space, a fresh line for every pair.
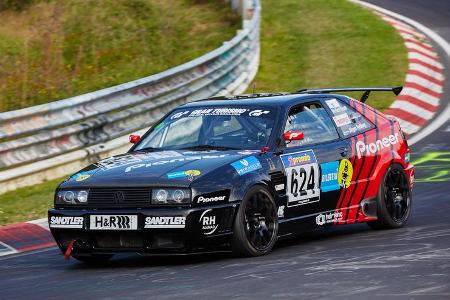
221,111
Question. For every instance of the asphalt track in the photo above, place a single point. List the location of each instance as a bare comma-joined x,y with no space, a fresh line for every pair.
346,262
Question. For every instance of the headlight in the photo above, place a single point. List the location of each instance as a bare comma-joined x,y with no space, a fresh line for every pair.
171,196
71,197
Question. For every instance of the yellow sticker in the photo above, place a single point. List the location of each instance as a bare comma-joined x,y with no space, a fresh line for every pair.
82,177
192,173
345,173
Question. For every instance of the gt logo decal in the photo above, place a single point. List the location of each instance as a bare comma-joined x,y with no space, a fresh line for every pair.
345,173
302,172
258,112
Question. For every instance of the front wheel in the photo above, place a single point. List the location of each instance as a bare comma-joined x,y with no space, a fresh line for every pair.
393,200
256,224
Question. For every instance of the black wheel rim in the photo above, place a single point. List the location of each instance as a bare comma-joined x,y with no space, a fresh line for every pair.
396,195
260,221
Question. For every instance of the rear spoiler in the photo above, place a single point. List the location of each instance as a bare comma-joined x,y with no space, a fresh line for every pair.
394,89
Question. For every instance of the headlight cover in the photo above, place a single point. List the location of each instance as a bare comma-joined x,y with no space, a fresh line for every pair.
171,196
71,197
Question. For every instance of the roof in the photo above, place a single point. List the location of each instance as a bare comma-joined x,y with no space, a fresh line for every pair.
278,99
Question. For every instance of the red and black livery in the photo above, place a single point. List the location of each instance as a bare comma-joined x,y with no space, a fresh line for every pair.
240,173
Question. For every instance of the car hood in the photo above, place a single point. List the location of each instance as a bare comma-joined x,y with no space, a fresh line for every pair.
168,168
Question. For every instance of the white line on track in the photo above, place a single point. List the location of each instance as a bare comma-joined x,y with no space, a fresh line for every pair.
445,113
425,70
9,250
431,61
27,253
421,95
424,82
413,109
422,49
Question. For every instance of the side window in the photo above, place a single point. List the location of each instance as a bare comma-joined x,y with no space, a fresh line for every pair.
315,123
348,121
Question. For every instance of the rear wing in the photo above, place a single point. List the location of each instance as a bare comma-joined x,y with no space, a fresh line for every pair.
394,89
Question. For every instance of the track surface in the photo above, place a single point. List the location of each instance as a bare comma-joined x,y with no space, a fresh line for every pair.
349,261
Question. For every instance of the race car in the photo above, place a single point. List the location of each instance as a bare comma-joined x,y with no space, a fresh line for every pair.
238,173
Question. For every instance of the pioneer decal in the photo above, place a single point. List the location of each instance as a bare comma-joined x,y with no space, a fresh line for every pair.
373,148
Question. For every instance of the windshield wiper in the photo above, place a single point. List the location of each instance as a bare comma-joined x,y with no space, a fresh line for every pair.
150,149
208,147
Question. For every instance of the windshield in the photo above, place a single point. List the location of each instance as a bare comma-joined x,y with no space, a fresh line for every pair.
204,128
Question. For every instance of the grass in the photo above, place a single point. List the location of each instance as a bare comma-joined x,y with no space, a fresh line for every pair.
328,43
309,43
54,49
27,203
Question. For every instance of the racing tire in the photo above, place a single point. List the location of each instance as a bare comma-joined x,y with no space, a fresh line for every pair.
93,259
393,200
256,224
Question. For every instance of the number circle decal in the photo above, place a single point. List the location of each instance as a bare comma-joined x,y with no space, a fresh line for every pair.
345,173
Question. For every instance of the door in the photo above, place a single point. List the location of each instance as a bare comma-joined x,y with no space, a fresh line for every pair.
311,165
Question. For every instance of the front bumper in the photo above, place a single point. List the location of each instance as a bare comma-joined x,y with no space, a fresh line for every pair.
195,229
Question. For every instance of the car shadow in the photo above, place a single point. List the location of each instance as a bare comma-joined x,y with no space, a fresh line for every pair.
138,261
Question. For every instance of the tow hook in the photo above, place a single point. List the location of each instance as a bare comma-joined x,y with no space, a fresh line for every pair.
69,250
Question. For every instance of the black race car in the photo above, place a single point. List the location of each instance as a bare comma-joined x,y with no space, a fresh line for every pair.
238,173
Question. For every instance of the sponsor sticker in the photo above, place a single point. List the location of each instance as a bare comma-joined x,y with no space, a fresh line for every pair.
335,106
165,222
298,158
372,148
66,222
179,114
211,198
407,157
279,187
329,179
248,152
173,160
208,222
113,222
303,181
129,159
81,176
246,165
328,218
342,120
345,173
220,111
258,112
189,174
280,212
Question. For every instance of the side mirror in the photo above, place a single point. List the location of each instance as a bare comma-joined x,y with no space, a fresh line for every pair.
135,138
293,135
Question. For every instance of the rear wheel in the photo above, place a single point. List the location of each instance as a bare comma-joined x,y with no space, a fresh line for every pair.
256,224
393,200
93,258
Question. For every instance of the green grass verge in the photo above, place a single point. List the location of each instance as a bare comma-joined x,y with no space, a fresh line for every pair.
55,49
27,203
309,43
328,43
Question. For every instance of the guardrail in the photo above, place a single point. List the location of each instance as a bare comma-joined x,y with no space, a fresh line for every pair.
46,141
